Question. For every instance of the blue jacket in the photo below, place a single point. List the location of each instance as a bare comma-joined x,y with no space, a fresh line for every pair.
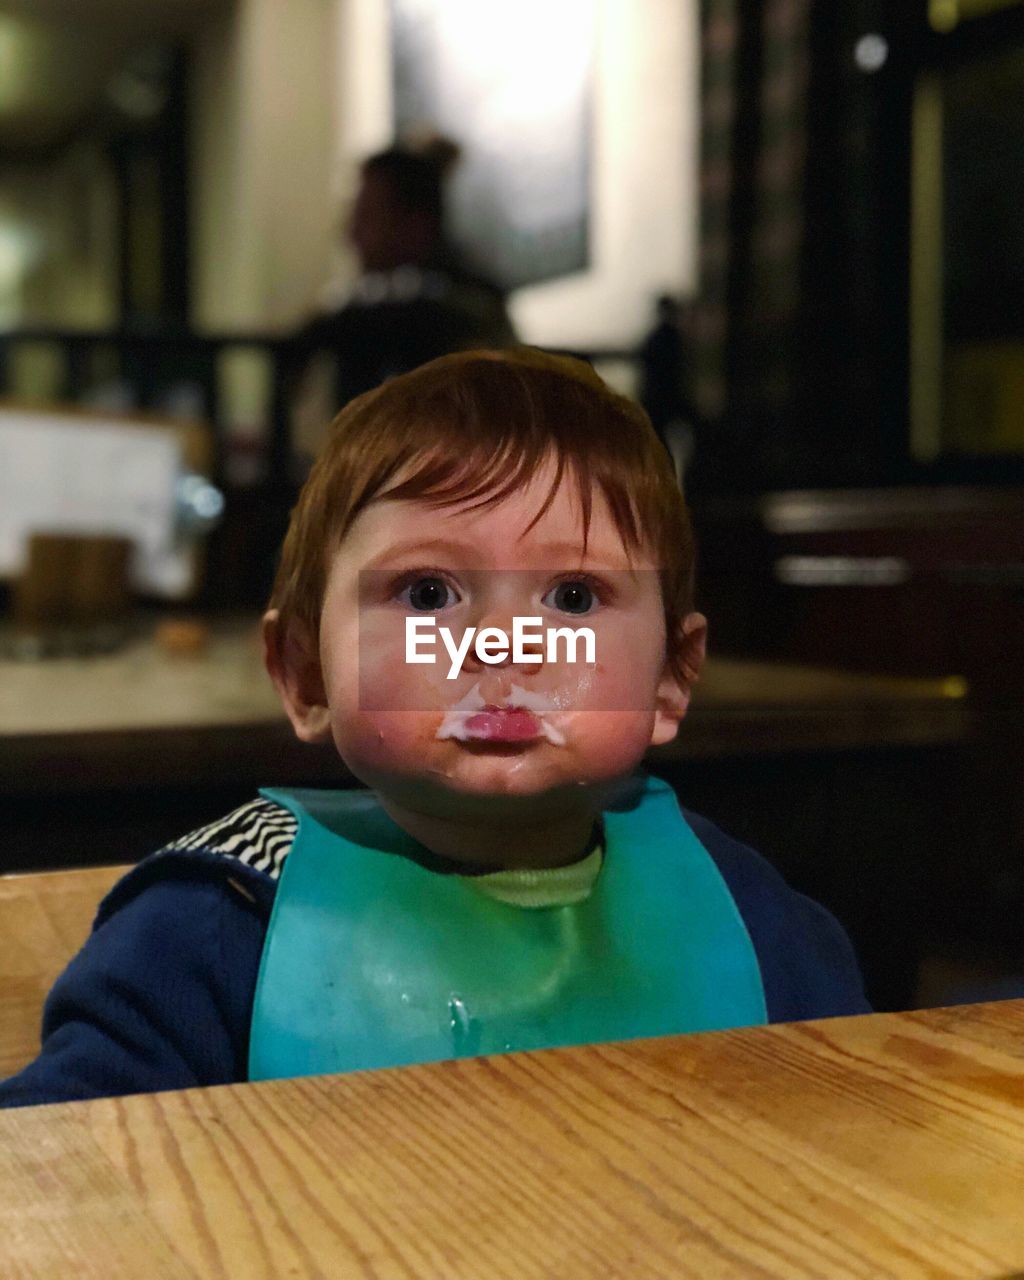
160,996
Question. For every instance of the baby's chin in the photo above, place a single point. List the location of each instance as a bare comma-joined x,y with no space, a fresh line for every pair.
520,797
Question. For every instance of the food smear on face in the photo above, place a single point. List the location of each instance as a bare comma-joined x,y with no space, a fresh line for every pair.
520,717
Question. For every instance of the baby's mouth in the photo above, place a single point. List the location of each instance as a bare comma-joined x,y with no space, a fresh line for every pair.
504,724
521,717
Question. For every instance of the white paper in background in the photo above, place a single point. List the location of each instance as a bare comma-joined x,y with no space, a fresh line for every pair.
59,474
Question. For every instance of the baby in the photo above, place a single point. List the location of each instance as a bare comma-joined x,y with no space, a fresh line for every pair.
507,880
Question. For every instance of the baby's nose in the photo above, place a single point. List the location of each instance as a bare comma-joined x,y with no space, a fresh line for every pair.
511,640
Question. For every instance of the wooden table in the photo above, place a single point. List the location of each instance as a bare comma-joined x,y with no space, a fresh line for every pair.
860,1148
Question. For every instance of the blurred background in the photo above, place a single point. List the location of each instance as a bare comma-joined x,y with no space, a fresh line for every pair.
793,228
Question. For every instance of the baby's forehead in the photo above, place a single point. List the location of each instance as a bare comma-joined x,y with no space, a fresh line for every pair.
510,531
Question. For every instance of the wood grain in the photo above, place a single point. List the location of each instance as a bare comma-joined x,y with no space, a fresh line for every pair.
66,1211
44,919
883,1146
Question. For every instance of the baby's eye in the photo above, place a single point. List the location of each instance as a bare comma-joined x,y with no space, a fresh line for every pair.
571,597
427,594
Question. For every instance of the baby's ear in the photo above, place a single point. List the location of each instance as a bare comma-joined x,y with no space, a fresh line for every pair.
673,696
293,663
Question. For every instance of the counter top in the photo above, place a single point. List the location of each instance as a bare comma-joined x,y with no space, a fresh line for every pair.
147,717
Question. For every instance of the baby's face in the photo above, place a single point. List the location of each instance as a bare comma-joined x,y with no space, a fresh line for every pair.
495,735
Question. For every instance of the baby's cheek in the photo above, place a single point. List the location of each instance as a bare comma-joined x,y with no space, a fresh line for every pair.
385,739
609,743
622,685
387,683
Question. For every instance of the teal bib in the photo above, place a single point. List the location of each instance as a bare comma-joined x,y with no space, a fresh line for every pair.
371,960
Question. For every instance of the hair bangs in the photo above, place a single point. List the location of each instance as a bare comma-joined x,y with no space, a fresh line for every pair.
491,438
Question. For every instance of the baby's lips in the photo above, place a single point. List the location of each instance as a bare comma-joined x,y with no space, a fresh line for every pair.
504,724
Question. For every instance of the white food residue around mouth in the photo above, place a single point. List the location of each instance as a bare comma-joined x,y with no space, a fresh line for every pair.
454,724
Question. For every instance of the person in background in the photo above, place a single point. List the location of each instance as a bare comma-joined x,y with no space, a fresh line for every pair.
663,373
508,880
414,298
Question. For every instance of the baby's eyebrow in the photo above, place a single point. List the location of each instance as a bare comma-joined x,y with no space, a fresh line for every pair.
424,547
570,555
560,556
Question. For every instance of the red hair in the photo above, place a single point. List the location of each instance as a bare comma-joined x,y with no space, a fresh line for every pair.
472,428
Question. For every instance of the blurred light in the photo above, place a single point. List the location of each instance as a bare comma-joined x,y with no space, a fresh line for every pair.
871,52
200,504
18,250
18,53
842,571
11,257
943,14
533,54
